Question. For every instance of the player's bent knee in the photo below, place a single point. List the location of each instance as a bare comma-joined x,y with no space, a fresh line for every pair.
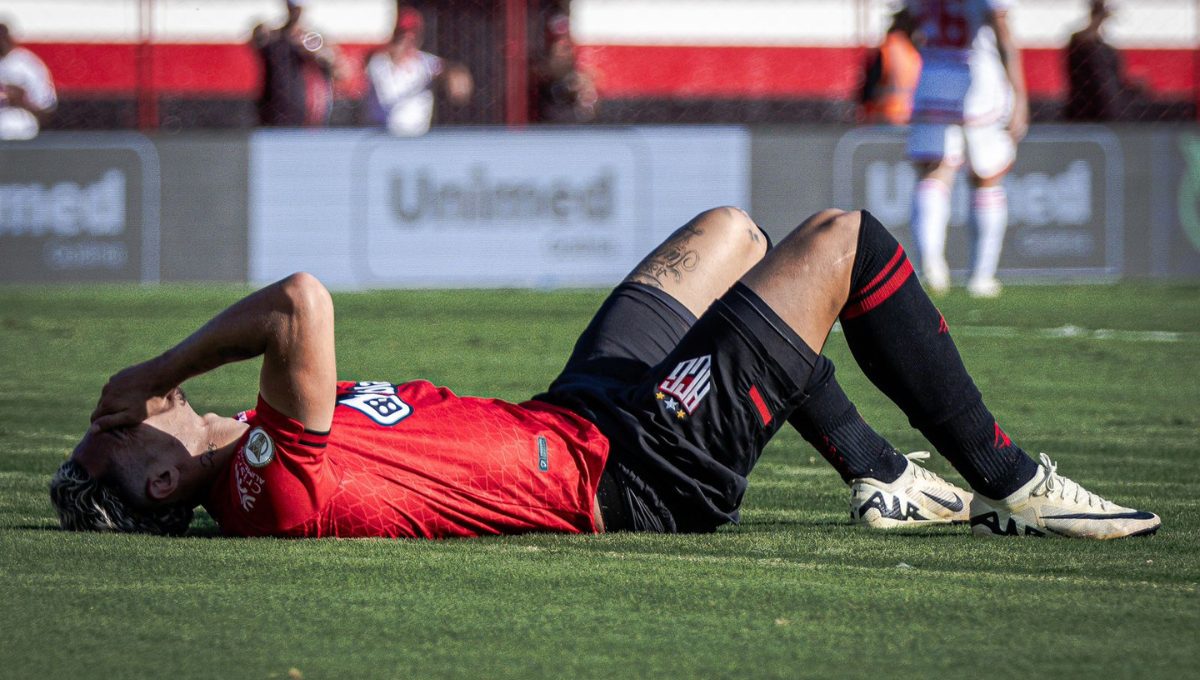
737,231
831,229
726,216
303,291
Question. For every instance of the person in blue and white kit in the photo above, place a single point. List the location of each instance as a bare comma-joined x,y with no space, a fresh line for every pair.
970,107
27,96
401,79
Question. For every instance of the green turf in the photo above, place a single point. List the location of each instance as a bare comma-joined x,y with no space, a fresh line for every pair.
793,592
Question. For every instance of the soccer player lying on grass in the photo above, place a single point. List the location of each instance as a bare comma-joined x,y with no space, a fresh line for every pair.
690,366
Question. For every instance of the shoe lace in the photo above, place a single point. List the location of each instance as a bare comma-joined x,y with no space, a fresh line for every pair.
919,471
1054,484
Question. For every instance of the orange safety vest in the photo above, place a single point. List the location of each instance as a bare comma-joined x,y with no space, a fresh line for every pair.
901,68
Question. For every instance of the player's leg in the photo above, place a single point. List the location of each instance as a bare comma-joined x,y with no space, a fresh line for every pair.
686,437
903,344
887,490
896,334
702,260
991,152
937,152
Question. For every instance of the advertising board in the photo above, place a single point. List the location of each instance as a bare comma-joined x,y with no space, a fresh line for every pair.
79,208
1176,244
1065,199
481,208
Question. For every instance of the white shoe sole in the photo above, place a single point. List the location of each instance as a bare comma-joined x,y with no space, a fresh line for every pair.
995,522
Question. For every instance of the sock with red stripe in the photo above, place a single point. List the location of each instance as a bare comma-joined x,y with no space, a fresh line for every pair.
904,346
829,421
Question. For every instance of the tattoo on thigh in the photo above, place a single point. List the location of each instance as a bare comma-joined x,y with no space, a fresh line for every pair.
754,234
671,261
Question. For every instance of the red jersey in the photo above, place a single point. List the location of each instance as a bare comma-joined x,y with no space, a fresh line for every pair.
412,460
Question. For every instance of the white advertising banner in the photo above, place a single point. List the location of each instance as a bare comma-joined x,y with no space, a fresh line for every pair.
481,208
1065,199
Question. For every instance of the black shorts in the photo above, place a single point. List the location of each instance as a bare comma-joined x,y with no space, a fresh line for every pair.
687,404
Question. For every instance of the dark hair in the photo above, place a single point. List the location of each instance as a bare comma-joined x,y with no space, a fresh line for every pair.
87,504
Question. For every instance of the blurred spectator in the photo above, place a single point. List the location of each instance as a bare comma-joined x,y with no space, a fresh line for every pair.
891,75
27,96
297,72
1098,87
562,93
400,80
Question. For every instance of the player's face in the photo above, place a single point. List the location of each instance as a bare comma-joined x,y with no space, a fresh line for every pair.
158,435
177,418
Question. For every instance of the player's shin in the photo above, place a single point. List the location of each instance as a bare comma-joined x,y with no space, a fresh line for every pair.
828,420
903,344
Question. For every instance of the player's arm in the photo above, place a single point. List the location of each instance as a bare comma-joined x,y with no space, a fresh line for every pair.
1010,55
289,324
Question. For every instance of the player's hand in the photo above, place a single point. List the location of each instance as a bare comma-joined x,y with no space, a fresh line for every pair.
15,96
130,397
1018,125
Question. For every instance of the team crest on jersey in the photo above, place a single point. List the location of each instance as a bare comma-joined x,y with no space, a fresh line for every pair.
259,449
376,400
682,391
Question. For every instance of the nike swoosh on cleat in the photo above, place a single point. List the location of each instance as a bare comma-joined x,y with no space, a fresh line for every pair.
953,506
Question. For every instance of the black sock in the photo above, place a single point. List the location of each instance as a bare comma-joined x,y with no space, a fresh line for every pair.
828,420
904,346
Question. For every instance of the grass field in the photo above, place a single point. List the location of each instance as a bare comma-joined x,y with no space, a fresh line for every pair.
1105,379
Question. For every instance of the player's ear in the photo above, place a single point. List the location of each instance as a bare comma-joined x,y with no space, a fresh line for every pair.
162,483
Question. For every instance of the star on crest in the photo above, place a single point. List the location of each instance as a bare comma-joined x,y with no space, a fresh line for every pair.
671,404
680,414
659,396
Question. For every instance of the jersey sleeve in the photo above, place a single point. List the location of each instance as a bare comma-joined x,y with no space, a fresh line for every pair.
434,64
279,477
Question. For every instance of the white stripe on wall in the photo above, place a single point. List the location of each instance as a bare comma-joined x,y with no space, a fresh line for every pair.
1036,23
194,21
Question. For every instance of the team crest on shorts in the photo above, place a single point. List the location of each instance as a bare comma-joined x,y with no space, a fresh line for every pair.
682,391
259,449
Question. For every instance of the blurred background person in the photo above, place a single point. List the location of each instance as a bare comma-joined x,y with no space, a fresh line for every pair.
561,92
27,96
1098,89
971,106
401,80
297,72
891,75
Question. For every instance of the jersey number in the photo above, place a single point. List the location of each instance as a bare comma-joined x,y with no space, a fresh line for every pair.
951,24
377,401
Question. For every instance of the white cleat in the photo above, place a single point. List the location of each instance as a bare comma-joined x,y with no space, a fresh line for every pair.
1052,505
916,498
984,288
